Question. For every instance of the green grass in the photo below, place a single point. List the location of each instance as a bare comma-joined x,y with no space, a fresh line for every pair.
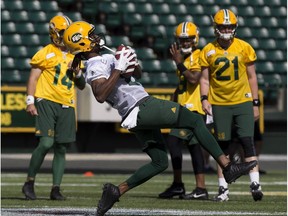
84,192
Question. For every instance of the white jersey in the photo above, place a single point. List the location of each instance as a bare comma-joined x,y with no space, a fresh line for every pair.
125,95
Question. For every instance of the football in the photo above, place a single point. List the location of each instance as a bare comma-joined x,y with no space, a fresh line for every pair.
130,69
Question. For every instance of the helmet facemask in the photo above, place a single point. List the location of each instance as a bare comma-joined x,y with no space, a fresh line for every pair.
186,44
56,35
187,37
57,26
225,36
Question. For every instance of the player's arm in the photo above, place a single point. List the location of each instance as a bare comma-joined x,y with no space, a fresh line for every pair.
252,78
192,77
76,68
204,90
31,89
103,87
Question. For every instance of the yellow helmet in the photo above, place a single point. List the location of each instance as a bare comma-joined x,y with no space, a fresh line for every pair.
187,35
225,18
57,25
80,37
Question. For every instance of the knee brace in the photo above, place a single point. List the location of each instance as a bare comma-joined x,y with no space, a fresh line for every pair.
248,146
224,146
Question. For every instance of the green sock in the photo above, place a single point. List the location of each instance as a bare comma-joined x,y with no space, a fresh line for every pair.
38,155
58,165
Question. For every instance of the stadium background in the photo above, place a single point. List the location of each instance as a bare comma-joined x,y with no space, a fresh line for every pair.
148,26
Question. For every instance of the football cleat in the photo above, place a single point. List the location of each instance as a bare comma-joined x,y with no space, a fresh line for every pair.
256,191
234,170
176,189
223,195
55,194
28,190
197,193
110,195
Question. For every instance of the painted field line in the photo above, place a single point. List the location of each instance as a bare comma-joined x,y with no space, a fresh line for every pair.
123,211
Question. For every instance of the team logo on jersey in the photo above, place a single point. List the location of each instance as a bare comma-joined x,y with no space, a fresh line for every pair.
248,95
76,37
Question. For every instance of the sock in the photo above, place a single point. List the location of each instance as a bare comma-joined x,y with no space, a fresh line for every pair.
222,182
254,177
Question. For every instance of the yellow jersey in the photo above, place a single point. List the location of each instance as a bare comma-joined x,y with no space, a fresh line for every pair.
228,77
54,84
189,94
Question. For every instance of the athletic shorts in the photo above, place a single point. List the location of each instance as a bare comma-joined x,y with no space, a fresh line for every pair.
240,115
155,114
55,121
186,135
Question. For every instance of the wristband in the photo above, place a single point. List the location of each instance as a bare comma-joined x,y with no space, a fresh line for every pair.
29,100
204,97
181,67
78,75
256,102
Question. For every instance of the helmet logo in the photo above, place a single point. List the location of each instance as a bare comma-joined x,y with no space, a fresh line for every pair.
76,37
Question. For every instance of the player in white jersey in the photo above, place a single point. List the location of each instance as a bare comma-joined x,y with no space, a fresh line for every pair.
142,114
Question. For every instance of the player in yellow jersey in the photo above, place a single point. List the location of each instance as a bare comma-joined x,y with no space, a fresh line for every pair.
51,99
229,84
186,56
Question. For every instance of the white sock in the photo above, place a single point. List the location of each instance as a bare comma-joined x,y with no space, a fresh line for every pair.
254,177
222,182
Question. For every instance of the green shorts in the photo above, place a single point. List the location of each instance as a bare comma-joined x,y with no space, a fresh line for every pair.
155,114
241,116
55,121
186,135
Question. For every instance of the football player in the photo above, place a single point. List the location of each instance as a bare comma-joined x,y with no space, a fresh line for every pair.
51,99
141,113
186,56
229,82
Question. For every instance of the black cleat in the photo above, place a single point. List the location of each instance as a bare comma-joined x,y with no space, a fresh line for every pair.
256,191
234,170
28,190
55,194
176,189
110,195
197,193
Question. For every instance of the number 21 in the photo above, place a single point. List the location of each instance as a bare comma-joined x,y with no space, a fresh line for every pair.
225,66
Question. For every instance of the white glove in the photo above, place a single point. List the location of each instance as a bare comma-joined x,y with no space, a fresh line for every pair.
125,57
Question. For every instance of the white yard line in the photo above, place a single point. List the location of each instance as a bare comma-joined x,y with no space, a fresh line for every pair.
124,211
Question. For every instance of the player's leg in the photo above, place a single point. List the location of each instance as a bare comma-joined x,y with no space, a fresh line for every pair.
154,145
156,113
65,133
208,167
45,131
200,192
245,130
222,116
258,142
177,188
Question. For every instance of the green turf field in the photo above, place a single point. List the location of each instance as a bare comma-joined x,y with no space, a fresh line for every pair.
84,192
